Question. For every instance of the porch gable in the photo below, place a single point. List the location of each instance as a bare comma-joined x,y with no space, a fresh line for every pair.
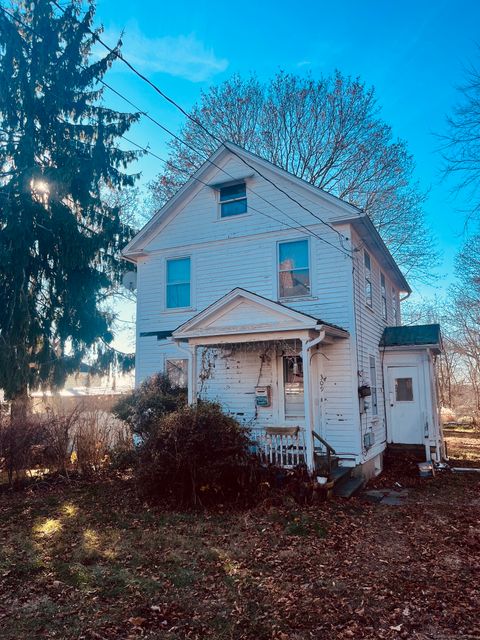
243,312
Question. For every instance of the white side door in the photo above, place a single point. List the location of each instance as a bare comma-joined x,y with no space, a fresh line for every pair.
405,405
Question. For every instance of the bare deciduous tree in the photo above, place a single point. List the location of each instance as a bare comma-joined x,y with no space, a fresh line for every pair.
461,150
328,132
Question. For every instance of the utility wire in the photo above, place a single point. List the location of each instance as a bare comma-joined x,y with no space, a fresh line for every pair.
299,225
173,102
195,150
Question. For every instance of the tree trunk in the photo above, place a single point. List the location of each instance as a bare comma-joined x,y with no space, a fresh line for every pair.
19,407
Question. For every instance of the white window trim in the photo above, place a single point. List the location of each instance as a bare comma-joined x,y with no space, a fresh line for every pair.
307,296
395,306
220,202
191,306
373,384
367,279
384,297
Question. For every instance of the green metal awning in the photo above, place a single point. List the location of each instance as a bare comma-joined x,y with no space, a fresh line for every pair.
421,335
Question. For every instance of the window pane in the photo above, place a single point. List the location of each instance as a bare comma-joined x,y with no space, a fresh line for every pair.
373,385
403,389
367,260
234,208
178,270
293,255
368,293
232,192
178,295
177,372
384,308
294,283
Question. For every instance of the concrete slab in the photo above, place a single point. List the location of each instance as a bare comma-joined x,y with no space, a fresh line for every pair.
391,497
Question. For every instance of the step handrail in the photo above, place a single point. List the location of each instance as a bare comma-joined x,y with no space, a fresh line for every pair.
327,446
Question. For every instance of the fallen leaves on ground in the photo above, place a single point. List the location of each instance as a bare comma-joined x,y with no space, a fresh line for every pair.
90,562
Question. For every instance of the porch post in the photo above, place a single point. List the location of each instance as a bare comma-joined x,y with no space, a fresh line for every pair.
192,374
307,392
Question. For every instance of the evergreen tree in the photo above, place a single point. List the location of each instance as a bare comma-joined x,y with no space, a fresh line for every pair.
59,239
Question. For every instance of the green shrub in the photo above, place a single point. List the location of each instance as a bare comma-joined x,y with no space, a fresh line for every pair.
145,406
196,456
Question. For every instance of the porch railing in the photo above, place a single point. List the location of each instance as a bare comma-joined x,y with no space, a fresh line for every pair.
281,446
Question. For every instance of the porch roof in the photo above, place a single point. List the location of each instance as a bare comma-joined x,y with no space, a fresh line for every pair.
421,335
242,312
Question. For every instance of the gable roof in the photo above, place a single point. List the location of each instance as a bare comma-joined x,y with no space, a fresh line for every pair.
351,213
373,241
241,311
421,335
133,250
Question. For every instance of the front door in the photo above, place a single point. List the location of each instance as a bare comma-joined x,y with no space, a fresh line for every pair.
405,406
293,392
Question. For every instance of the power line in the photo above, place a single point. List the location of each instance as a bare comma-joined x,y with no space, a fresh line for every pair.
193,177
119,55
168,131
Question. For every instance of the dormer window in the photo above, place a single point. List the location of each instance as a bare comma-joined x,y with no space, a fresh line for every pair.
233,200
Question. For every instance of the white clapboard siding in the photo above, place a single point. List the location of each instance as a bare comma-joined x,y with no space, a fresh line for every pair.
242,252
370,327
234,376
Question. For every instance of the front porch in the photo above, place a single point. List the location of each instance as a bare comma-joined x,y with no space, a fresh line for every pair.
257,358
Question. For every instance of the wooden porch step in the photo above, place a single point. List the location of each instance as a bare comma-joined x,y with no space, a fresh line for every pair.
339,473
347,488
322,463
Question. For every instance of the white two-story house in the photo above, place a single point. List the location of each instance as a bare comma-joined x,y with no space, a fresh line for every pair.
282,303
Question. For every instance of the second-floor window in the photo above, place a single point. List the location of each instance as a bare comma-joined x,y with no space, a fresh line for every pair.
394,307
383,288
293,269
178,283
368,279
233,200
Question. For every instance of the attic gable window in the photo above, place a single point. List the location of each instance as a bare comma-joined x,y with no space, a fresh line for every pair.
233,200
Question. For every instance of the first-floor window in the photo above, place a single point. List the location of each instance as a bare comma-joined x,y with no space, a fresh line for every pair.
293,269
177,371
373,385
178,283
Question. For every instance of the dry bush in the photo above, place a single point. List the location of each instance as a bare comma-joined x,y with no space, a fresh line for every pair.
59,430
22,445
97,435
447,415
198,456
145,406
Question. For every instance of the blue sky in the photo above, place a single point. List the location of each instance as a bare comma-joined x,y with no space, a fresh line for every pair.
413,53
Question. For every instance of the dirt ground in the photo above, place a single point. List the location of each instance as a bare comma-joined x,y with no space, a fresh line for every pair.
88,561
463,446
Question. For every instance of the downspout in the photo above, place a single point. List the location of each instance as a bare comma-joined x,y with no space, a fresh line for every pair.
306,348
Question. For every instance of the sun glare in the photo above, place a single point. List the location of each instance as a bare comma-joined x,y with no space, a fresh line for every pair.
48,527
